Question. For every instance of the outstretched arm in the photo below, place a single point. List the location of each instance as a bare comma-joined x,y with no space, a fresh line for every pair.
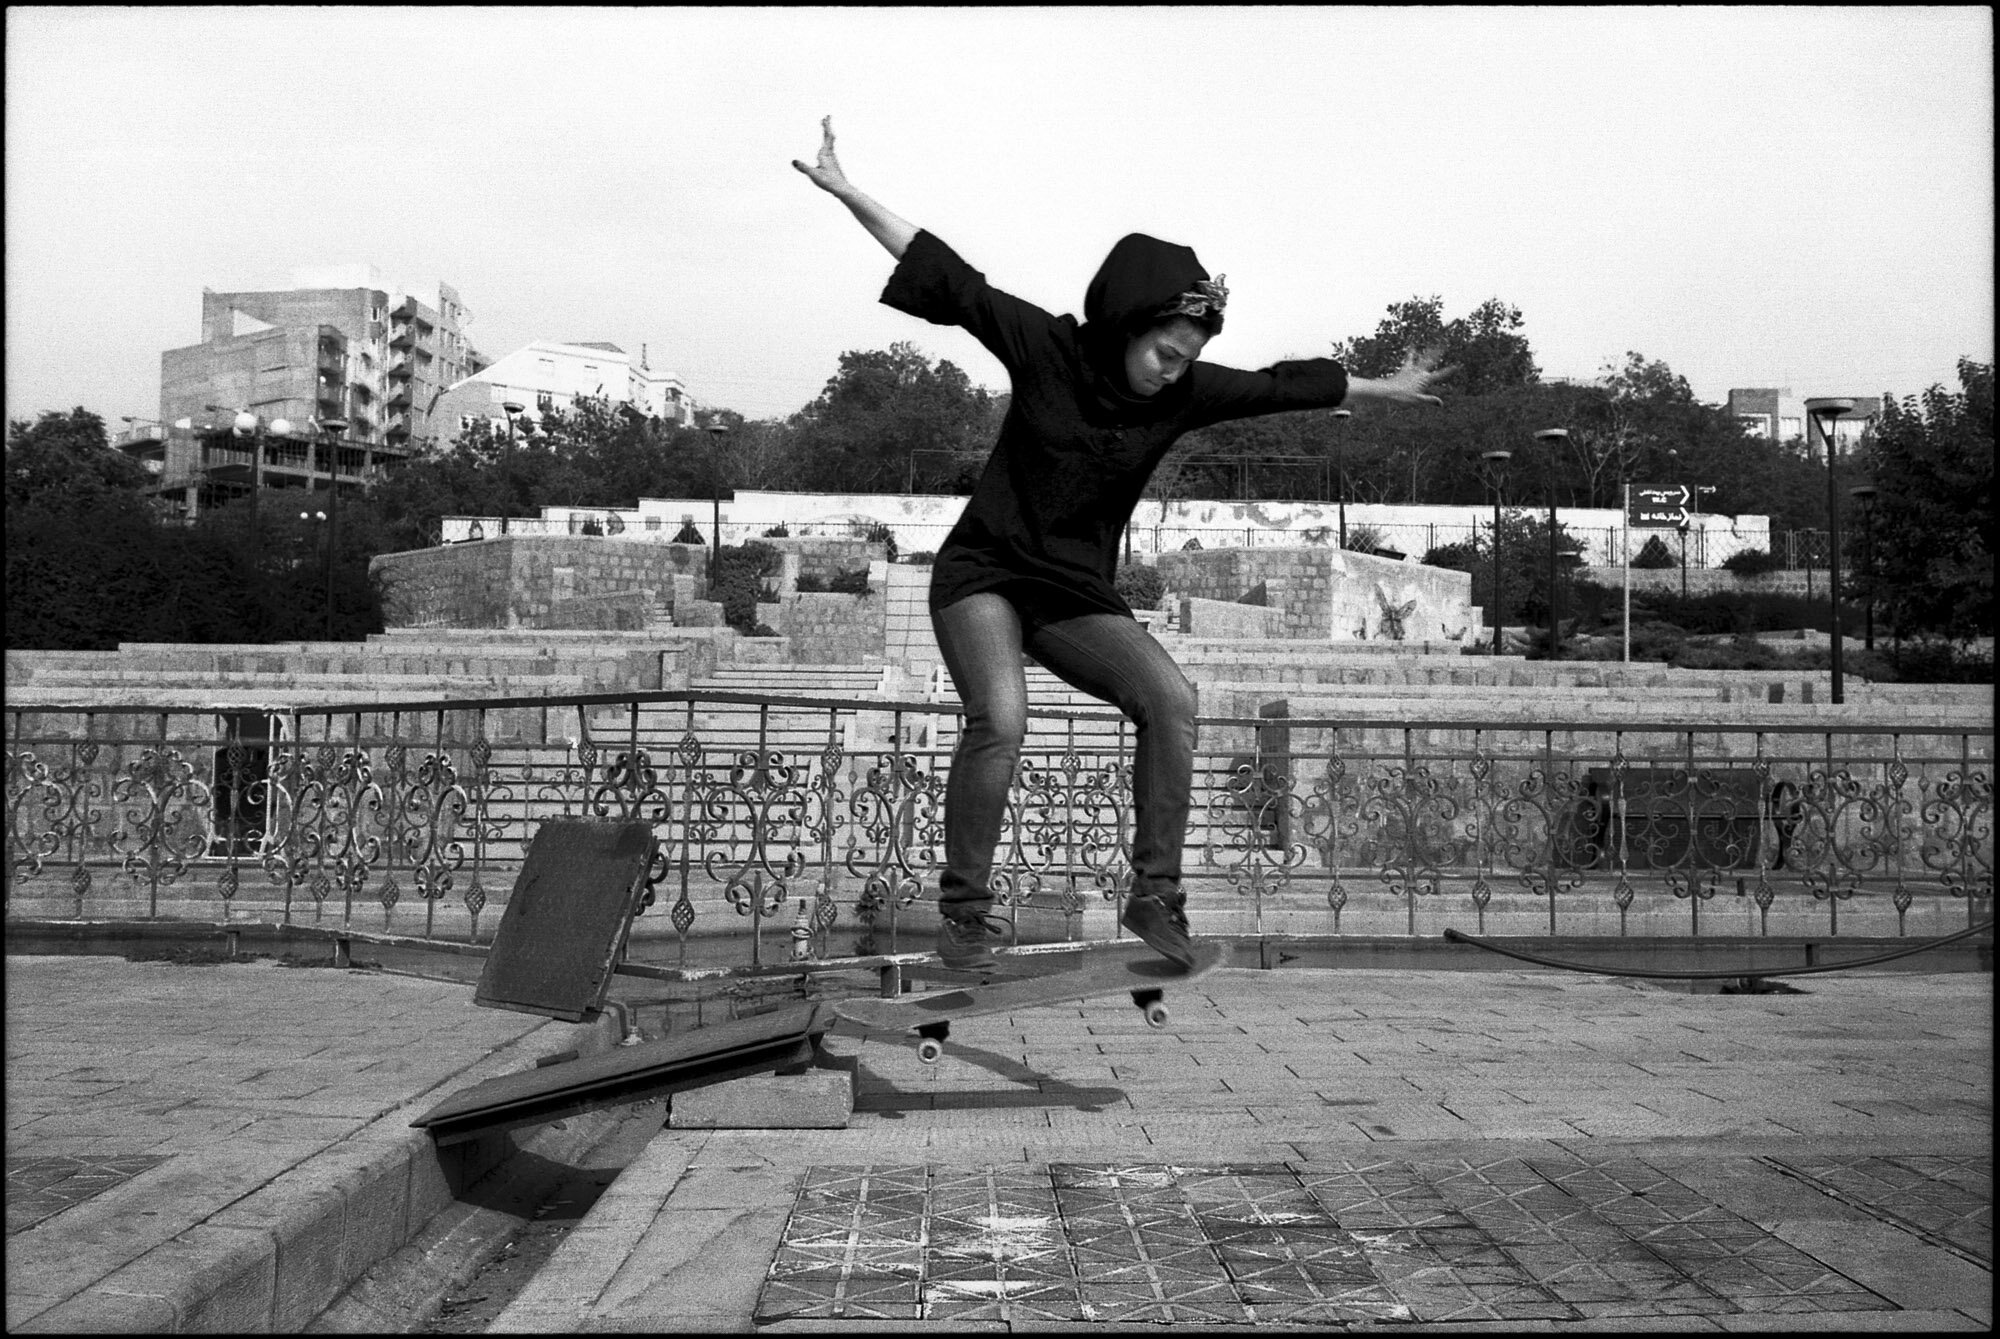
1408,384
892,232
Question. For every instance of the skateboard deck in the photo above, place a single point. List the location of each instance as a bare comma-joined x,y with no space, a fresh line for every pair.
1139,971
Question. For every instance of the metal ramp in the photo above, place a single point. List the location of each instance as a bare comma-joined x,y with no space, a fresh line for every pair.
554,954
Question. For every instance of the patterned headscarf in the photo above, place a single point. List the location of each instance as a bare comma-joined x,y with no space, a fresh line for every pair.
1206,297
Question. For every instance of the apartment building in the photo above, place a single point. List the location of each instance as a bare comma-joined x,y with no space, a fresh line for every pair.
550,374
340,344
1774,413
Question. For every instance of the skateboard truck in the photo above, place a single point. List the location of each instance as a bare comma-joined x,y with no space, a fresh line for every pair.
928,1018
931,1037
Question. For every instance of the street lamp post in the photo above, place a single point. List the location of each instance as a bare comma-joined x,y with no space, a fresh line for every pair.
325,556
1550,438
719,431
331,430
248,425
1494,461
1340,417
1865,495
1825,412
510,408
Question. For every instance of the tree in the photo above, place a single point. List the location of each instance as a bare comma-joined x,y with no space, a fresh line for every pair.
1482,345
881,406
84,553
1524,565
65,461
1932,462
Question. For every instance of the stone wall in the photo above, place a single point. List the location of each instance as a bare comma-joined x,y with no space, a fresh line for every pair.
458,586
520,580
1710,581
615,611
1218,618
579,581
830,629
1331,594
921,521
825,558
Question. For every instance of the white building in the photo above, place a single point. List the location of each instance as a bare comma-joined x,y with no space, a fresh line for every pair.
552,375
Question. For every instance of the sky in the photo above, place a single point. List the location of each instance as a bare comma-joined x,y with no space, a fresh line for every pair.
1798,197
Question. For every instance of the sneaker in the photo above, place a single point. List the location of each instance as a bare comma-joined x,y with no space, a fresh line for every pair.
1163,926
965,943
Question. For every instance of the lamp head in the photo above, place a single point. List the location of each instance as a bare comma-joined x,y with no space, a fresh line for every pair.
512,407
281,427
1496,457
246,423
1825,410
1552,435
1343,413
333,425
1864,493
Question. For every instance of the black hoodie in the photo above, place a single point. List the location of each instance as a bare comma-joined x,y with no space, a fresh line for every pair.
1077,446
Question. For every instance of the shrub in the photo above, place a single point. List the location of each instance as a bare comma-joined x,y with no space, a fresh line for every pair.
1750,563
1742,611
1592,604
883,535
778,531
854,582
1739,653
1365,539
739,581
1656,641
1458,557
921,558
765,630
687,534
1933,660
1656,554
1140,586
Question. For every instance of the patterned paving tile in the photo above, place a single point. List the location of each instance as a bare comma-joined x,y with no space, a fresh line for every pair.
1208,1304
1941,1198
1330,1243
40,1188
840,1295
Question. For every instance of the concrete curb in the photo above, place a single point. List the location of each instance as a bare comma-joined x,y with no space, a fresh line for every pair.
280,1256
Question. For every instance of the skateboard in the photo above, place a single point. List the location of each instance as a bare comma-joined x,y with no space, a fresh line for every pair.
1136,969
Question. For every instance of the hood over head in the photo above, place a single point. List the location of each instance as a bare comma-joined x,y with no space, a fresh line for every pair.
1140,278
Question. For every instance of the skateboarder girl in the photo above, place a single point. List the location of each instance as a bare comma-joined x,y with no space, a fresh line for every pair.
1031,562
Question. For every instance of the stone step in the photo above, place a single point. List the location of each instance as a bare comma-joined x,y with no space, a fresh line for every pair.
352,687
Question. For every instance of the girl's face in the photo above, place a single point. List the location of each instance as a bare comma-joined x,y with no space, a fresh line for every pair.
1162,356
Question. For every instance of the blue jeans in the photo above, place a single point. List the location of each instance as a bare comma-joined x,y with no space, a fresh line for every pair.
1107,656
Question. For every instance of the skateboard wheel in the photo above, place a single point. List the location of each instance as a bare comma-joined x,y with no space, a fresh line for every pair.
928,1050
1156,1014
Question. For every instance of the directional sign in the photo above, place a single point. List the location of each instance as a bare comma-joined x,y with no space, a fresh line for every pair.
1660,507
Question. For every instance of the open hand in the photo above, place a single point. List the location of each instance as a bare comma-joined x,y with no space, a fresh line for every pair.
1411,383
826,174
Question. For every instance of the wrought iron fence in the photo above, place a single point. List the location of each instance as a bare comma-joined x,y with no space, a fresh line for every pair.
820,821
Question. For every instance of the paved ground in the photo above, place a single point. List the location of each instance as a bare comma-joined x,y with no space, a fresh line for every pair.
208,1143
1406,1149
1403,1149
